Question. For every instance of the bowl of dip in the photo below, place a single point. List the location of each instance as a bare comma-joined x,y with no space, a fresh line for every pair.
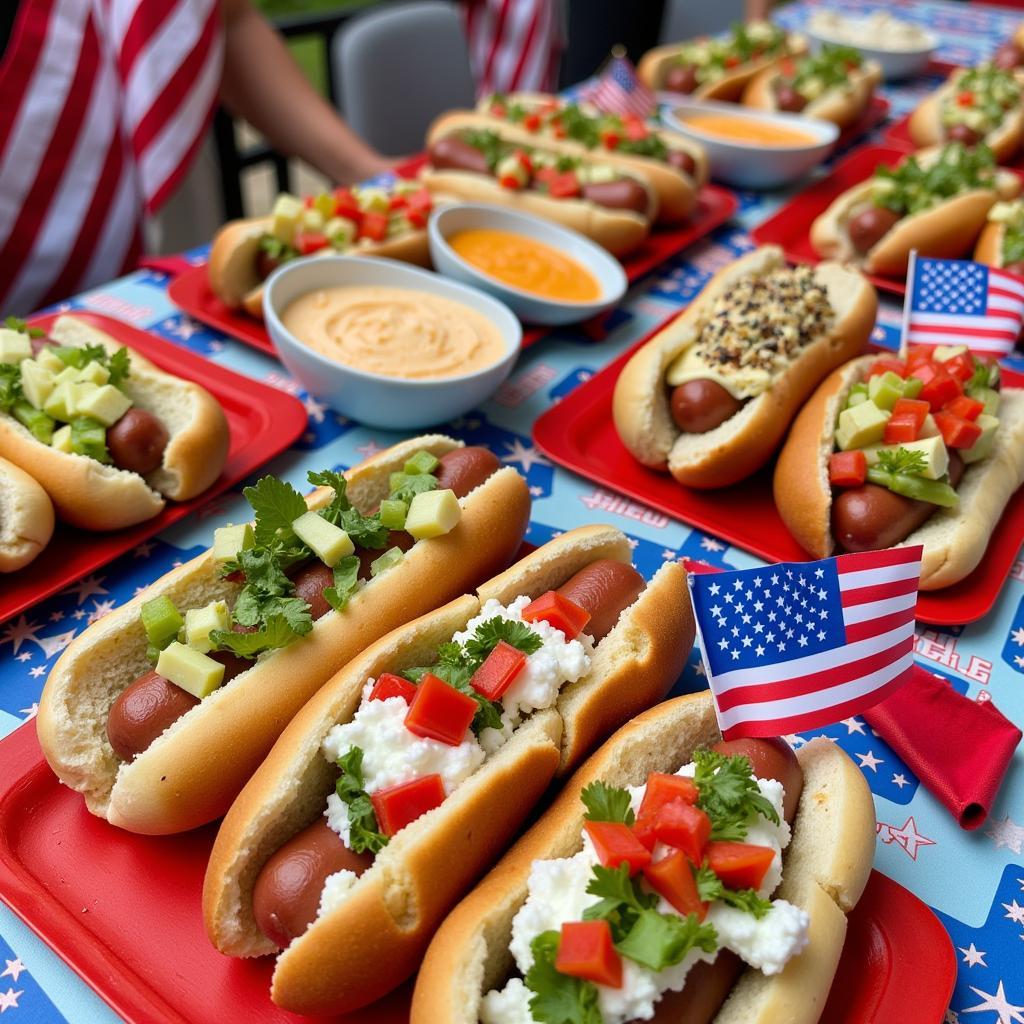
750,148
900,47
545,273
387,344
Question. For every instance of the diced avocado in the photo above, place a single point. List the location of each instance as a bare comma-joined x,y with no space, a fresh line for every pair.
105,404
285,217
93,373
982,448
392,513
36,382
312,219
193,672
329,542
228,541
200,621
80,392
885,389
432,513
388,560
421,462
61,439
929,428
161,620
341,232
325,204
60,401
912,387
35,420
597,174
934,451
49,361
860,426
14,346
374,200
988,396
941,353
858,394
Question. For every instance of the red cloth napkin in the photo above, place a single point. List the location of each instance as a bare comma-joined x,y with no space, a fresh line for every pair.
959,748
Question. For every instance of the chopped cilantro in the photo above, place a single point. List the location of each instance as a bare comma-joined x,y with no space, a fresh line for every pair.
346,579
10,386
488,634
363,831
729,794
710,887
277,505
15,323
902,460
558,998
275,633
607,803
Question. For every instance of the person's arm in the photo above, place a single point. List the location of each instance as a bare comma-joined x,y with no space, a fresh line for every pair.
757,10
263,84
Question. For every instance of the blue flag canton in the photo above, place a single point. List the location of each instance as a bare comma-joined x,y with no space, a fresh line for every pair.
956,287
770,615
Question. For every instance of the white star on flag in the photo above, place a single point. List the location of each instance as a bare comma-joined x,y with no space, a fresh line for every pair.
14,969
9,1000
1008,1014
314,409
526,455
20,632
1018,636
869,760
973,956
900,780
853,725
87,588
1014,911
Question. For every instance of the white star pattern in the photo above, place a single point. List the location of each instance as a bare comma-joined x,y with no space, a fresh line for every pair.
853,725
667,553
143,550
1018,636
9,1000
56,616
906,837
899,780
526,455
869,760
1007,1013
99,609
1014,911
1018,660
39,670
21,632
87,588
24,656
973,956
1007,833
14,970
314,409
370,448
710,544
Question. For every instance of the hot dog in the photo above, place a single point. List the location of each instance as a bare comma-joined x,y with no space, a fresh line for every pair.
176,697
675,166
381,221
558,692
26,518
1001,242
625,803
888,452
718,69
835,84
107,435
710,396
934,202
479,158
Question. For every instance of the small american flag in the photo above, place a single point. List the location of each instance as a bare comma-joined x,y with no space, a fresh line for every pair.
957,302
619,91
800,645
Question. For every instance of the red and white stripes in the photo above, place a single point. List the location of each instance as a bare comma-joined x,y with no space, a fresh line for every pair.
513,44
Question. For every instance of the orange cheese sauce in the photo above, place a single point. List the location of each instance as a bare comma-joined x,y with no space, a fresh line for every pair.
748,129
526,264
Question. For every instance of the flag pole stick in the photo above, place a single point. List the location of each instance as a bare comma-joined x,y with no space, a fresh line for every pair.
904,342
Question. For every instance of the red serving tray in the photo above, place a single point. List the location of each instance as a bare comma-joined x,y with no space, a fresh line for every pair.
874,114
191,289
578,433
263,422
124,912
898,134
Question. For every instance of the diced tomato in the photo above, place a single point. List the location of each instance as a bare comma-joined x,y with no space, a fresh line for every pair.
557,611
532,122
346,205
740,865
900,429
510,181
398,202
374,226
398,806
417,218
558,130
663,789
524,160
440,712
912,407
732,61
500,667
886,363
683,826
635,127
498,109
389,685
965,407
847,469
545,174
957,432
564,185
615,844
421,199
939,386
965,99
309,241
672,878
918,354
610,139
961,366
787,68
586,950
308,202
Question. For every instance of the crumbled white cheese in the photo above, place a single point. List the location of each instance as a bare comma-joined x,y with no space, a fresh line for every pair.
510,1005
335,890
337,816
766,944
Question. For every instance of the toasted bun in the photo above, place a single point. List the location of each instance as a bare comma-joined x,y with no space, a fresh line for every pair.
840,105
744,442
989,247
954,539
26,518
192,772
397,905
95,496
825,869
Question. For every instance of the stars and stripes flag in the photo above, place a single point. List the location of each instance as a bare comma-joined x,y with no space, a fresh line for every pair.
957,302
800,645
618,91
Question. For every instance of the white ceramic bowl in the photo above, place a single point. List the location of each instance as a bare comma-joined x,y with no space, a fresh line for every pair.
896,64
393,403
751,164
448,220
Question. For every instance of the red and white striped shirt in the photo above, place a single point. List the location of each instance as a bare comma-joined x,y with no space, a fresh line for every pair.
104,105
513,44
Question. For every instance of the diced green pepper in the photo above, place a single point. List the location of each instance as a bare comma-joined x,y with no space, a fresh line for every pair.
39,425
982,448
885,389
912,387
392,513
935,491
89,438
858,394
388,560
421,462
161,620
989,397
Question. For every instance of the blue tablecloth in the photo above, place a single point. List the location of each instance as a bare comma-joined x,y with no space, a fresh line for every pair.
975,881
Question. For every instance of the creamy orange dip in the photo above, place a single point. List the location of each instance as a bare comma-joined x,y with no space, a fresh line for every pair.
396,332
526,264
748,129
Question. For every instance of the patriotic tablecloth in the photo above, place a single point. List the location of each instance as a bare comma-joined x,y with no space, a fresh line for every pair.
974,881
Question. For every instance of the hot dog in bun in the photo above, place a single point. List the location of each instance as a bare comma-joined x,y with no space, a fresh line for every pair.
1010,54
675,878
675,166
1001,242
412,769
26,518
710,396
108,435
160,711
934,201
923,450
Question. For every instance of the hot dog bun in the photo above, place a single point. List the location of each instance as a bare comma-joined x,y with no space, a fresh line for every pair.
95,496
26,518
842,106
989,247
744,442
825,869
396,906
192,772
954,539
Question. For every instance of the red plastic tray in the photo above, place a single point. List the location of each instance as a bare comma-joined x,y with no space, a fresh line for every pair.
263,422
578,433
124,912
898,134
874,114
191,289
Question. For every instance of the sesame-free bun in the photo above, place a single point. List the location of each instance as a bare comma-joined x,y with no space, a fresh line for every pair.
374,938
743,443
954,539
989,247
26,518
190,774
842,105
95,496
825,869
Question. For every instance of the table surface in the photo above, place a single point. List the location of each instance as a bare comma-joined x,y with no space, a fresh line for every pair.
974,881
